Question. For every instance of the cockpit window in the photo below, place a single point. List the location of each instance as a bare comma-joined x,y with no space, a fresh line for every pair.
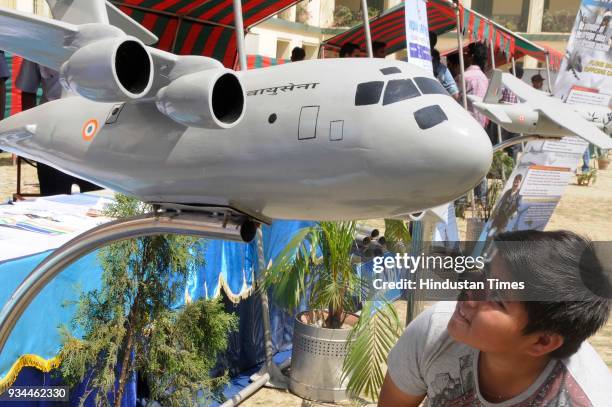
429,116
430,86
400,89
368,93
390,70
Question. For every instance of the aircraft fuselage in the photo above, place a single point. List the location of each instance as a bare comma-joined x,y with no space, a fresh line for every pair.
303,150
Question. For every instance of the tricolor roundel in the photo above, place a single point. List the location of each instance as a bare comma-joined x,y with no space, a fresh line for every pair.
90,129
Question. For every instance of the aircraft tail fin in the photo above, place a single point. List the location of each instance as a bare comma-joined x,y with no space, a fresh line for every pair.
130,26
495,88
79,11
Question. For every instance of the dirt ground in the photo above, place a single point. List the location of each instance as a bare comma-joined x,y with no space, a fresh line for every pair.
585,210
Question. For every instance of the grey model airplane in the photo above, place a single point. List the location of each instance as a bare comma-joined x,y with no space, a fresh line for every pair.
322,140
539,113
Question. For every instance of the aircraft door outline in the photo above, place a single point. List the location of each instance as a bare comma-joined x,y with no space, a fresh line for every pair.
307,126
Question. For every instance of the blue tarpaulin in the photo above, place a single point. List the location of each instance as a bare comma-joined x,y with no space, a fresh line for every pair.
230,268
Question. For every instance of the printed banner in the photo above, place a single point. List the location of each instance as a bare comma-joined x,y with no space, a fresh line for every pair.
535,187
586,69
417,34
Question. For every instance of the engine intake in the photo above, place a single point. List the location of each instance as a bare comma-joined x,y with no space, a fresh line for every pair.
213,98
110,70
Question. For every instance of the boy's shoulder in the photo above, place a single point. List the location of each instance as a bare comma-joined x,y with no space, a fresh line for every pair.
590,373
427,360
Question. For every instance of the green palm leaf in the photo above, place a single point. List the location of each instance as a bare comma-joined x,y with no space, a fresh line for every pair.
371,340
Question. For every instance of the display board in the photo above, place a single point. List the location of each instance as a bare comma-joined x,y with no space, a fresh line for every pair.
417,34
586,70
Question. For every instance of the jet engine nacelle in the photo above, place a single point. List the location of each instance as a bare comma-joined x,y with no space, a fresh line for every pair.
212,99
117,69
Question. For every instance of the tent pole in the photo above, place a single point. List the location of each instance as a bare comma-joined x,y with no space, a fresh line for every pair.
499,134
513,66
239,30
276,378
461,61
463,95
547,55
366,27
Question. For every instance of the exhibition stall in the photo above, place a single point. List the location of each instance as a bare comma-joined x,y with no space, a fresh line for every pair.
390,28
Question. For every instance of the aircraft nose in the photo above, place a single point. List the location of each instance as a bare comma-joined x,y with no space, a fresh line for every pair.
466,149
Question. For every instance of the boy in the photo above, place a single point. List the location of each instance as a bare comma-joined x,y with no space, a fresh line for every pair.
510,353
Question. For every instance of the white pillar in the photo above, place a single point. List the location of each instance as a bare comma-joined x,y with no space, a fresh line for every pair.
536,13
534,26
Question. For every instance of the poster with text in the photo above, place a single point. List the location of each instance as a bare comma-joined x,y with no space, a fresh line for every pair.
586,70
417,34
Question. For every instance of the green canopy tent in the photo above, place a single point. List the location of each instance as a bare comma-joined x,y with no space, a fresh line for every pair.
199,27
390,27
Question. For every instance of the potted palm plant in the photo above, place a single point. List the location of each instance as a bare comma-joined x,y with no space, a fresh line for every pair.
335,351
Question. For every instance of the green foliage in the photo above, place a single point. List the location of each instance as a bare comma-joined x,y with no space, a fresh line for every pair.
370,342
317,263
397,235
345,17
129,323
180,345
502,166
587,178
560,21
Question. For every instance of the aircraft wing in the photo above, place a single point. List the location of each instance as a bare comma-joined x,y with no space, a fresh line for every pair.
557,111
38,39
496,111
573,122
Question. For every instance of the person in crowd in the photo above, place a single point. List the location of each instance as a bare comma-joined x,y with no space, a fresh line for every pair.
443,75
537,81
30,77
379,49
4,75
440,71
489,349
476,83
508,96
298,54
350,50
452,63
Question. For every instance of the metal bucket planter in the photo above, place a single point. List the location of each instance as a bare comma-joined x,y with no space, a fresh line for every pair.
317,358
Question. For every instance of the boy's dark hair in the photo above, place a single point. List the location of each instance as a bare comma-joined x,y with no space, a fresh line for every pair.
298,54
478,51
566,264
347,49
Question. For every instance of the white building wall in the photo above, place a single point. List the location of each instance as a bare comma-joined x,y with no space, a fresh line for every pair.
267,39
